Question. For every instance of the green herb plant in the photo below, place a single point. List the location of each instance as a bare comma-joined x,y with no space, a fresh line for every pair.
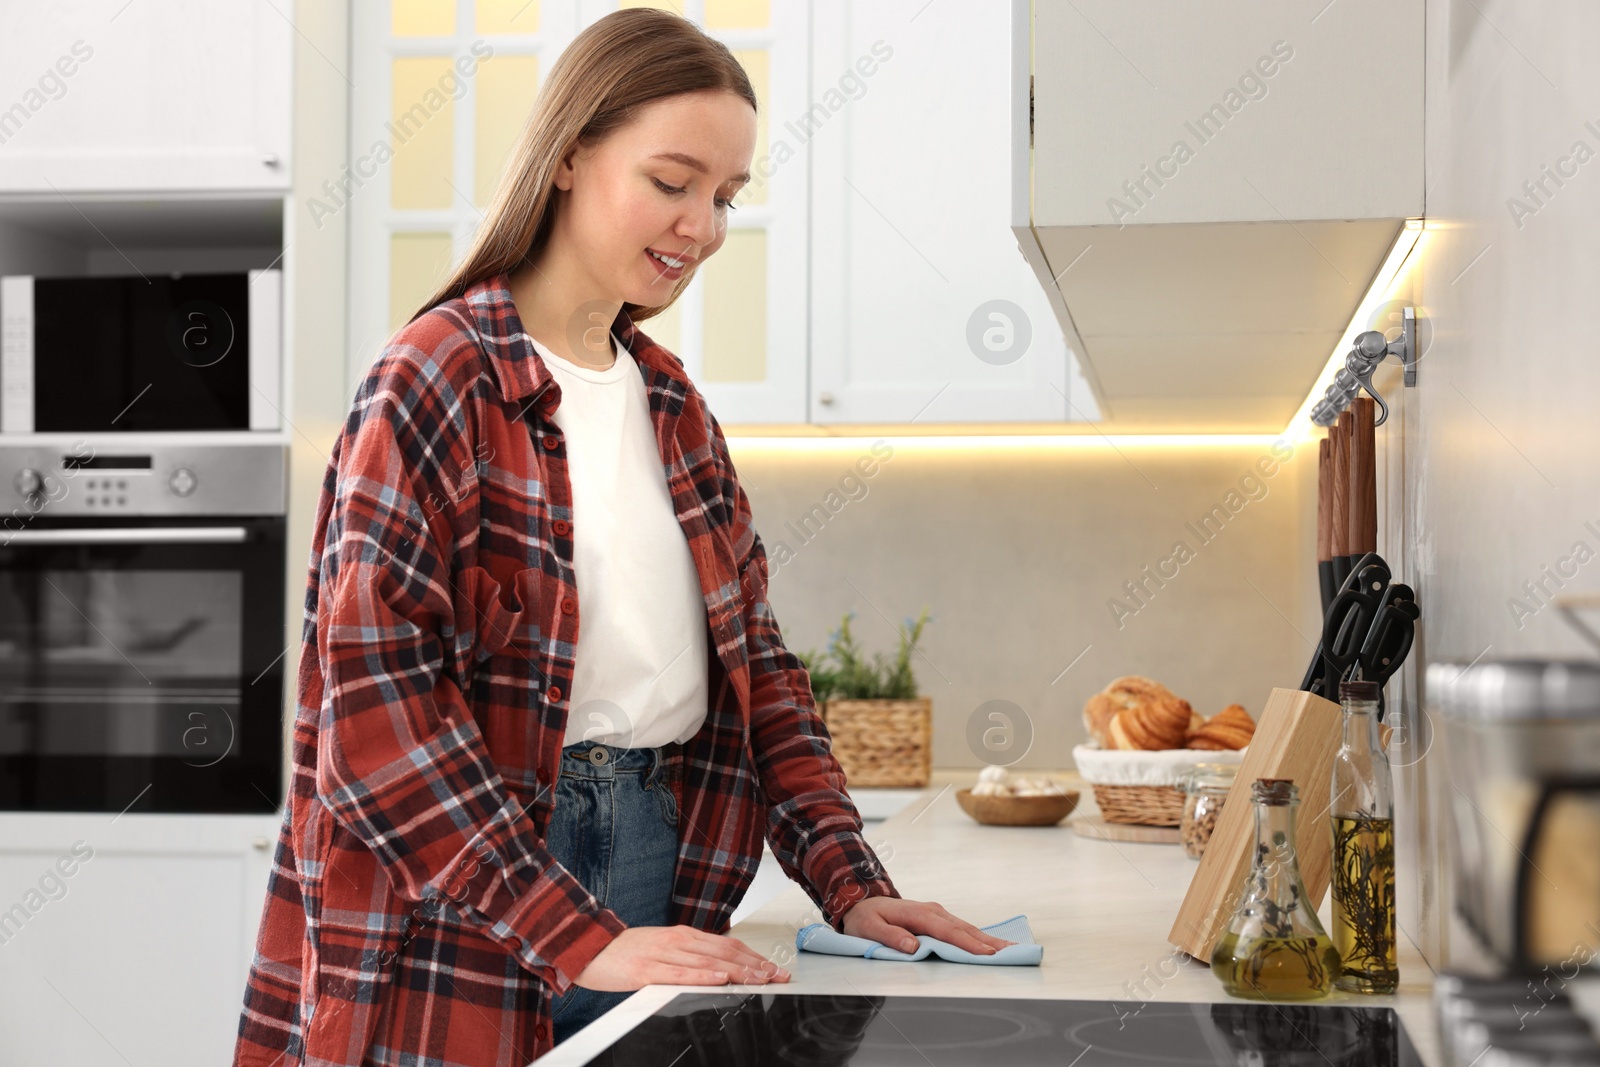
844,671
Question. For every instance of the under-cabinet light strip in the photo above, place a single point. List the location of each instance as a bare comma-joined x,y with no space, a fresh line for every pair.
1301,427
1009,442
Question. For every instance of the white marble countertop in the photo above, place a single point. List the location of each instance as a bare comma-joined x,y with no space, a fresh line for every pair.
1100,909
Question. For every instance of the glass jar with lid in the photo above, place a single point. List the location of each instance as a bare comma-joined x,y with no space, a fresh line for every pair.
1205,789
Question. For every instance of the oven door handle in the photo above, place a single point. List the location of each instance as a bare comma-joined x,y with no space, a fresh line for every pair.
129,535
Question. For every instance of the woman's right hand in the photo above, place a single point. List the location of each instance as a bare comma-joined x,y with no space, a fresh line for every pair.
676,955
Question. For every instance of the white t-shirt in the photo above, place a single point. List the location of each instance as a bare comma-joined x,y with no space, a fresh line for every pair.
640,675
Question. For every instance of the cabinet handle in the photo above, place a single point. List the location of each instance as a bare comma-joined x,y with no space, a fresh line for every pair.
270,159
260,843
824,398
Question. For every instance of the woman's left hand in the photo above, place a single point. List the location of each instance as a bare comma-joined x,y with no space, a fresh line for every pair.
894,921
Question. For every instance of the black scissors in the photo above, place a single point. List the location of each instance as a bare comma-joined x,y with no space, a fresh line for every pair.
1390,635
1389,638
1367,632
1350,616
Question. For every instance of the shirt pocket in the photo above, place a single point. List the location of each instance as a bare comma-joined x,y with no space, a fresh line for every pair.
496,610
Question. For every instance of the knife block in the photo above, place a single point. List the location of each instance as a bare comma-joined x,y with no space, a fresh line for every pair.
1296,737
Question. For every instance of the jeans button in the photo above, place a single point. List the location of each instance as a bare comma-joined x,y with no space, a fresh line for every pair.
598,755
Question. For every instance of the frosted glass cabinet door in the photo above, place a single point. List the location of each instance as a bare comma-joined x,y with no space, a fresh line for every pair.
740,326
923,309
104,95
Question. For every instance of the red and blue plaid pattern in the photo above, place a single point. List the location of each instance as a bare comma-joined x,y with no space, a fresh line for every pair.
414,913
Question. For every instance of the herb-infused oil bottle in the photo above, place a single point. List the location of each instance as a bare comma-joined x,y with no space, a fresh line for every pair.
1362,811
1274,947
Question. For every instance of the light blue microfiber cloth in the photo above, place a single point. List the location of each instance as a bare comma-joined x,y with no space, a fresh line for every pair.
820,937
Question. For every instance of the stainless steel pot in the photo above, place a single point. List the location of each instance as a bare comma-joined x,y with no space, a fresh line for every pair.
1523,744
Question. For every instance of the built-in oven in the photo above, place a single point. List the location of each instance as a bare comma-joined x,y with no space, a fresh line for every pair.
138,354
142,624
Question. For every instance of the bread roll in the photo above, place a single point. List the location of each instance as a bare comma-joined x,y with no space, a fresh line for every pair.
1130,691
1097,716
1230,728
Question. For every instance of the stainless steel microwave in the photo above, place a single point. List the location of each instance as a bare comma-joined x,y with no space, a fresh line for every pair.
141,353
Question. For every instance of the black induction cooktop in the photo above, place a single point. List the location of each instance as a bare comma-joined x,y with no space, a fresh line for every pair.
810,1030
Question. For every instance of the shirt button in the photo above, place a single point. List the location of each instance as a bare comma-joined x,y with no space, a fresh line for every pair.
555,694
568,605
544,1030
562,526
550,443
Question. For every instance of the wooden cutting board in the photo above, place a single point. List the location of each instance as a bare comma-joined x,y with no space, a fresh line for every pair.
1098,829
1296,737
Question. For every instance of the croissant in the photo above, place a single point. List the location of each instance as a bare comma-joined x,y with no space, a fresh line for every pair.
1157,725
1230,728
1127,692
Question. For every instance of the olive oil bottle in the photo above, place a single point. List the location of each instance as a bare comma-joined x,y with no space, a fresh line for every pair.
1274,947
1361,809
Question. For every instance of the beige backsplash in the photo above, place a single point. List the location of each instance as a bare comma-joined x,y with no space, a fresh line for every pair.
1019,555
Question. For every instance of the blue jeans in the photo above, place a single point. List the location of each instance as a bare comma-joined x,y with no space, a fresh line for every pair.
614,825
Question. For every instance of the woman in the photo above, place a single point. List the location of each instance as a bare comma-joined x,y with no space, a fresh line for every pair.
500,823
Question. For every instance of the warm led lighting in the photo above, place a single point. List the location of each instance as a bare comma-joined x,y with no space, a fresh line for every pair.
1301,428
1006,442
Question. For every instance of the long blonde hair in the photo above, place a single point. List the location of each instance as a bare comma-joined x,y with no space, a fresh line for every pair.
616,65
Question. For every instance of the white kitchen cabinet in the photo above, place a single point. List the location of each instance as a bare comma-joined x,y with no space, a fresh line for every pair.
1207,191
158,95
139,954
867,278
922,310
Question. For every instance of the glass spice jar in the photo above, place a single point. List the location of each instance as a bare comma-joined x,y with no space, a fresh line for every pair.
1205,788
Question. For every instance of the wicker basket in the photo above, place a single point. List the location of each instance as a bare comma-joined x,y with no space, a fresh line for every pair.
882,742
1147,805
1144,788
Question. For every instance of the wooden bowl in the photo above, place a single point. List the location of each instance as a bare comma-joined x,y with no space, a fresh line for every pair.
1046,810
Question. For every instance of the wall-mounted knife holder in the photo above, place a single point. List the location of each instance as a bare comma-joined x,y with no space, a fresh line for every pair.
1370,349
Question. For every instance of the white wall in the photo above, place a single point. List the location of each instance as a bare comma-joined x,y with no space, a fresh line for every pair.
1495,466
318,397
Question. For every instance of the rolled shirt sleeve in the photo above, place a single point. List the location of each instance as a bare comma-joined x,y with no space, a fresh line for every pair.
401,762
813,827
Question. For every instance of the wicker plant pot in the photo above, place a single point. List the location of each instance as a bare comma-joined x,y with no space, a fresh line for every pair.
882,742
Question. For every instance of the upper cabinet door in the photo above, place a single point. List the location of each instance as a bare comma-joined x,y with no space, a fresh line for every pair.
131,95
923,309
739,327
1210,190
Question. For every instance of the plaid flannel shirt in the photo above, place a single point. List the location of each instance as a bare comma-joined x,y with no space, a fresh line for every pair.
414,908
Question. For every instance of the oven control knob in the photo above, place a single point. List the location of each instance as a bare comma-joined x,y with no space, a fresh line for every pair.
30,483
182,481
